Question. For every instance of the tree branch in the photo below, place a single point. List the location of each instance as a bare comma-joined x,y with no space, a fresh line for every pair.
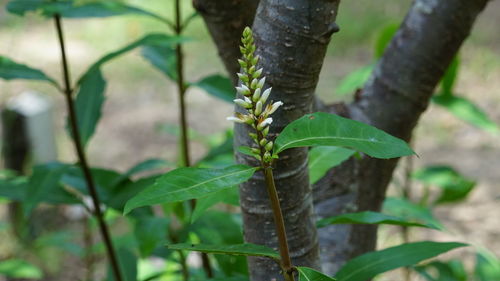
393,100
291,38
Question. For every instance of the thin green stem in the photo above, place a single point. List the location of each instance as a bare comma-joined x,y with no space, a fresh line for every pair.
82,157
286,262
181,86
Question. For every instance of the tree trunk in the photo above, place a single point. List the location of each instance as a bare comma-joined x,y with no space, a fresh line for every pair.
291,38
393,100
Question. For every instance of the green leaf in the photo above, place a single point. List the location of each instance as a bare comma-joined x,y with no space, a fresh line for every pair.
44,181
450,77
455,186
12,70
222,228
71,9
323,158
403,208
190,183
443,271
150,233
309,274
238,249
162,58
144,166
218,86
487,266
354,80
89,102
16,268
228,196
384,38
128,265
369,217
324,129
369,265
13,189
466,111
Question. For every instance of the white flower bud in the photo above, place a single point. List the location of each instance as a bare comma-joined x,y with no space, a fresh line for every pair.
243,90
267,157
258,108
235,119
255,60
242,63
274,107
253,85
243,77
243,103
256,95
265,95
269,146
261,82
251,70
265,131
264,123
257,73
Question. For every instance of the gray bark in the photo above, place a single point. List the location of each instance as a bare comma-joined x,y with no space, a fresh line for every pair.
393,100
291,38
225,20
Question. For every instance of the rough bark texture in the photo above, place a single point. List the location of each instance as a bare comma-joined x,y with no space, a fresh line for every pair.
225,20
291,37
393,100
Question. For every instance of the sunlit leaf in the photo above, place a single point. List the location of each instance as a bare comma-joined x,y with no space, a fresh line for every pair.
218,86
455,186
10,69
323,129
368,217
323,158
369,265
190,183
466,111
354,80
443,271
309,274
16,268
238,250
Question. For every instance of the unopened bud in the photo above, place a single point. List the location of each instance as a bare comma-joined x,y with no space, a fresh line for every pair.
264,123
261,82
258,108
256,95
269,146
243,77
265,132
265,95
274,107
257,73
243,90
242,63
251,70
243,103
263,142
254,83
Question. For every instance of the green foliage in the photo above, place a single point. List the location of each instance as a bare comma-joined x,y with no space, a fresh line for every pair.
403,208
369,265
10,69
128,265
443,271
238,250
162,58
228,196
17,268
487,266
217,86
309,274
384,37
89,102
354,80
190,183
455,187
150,233
323,129
450,76
323,158
369,217
466,111
76,9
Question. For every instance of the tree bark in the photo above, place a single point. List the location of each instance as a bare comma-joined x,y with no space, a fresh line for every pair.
393,100
291,37
225,20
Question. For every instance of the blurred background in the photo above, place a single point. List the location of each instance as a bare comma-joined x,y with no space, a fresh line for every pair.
140,113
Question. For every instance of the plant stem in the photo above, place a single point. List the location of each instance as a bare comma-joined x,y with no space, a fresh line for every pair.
182,116
81,155
286,262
